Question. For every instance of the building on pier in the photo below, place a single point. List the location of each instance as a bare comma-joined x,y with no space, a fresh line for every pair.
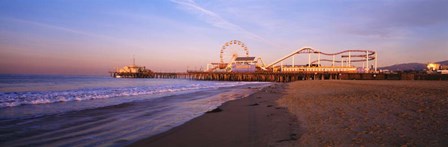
132,71
244,64
437,68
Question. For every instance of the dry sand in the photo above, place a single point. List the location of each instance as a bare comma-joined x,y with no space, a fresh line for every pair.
323,113
253,121
370,113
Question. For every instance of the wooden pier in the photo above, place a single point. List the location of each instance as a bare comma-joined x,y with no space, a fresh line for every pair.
283,77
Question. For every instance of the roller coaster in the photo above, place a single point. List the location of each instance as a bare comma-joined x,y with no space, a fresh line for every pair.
234,54
345,59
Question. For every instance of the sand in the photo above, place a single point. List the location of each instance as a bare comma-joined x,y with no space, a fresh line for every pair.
323,113
253,121
370,113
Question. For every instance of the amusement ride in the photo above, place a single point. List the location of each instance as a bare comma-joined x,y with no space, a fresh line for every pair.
234,57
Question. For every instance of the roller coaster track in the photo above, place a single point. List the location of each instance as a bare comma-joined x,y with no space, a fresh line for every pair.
370,55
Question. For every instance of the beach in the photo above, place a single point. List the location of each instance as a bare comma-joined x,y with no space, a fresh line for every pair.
323,113
256,120
370,113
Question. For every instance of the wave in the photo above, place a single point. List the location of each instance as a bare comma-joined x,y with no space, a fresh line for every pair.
12,99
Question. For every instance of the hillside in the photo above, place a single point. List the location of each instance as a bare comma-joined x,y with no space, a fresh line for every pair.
405,67
443,62
410,66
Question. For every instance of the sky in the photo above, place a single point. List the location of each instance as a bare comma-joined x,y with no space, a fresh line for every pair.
92,37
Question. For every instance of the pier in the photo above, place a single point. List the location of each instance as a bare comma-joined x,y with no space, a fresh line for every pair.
235,64
284,77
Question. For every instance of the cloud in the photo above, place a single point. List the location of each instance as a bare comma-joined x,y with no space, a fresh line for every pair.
415,13
393,18
216,20
54,27
73,31
209,16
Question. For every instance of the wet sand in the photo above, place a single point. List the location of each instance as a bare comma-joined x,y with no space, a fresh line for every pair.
323,113
255,121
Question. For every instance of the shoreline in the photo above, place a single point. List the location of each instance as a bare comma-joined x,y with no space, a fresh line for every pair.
322,113
255,120
113,125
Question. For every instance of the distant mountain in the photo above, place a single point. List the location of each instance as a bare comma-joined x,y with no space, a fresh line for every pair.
443,62
410,66
405,67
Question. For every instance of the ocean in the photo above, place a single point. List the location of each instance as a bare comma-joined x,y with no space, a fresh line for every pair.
55,110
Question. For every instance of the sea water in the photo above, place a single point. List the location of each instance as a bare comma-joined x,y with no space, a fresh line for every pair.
41,110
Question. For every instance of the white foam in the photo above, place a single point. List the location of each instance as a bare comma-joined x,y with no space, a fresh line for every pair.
11,99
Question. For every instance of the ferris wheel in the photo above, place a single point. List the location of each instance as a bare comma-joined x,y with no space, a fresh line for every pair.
230,50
